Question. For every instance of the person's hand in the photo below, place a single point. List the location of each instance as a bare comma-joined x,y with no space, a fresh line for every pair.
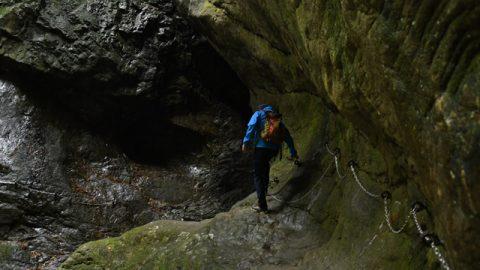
295,159
245,148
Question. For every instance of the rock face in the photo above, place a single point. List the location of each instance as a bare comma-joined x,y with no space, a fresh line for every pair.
109,50
124,46
395,85
406,74
112,115
113,86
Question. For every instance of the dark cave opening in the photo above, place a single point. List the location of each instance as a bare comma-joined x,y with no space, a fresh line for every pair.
148,138
139,125
223,82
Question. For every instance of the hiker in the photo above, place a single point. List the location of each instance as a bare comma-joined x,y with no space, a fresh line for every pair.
265,135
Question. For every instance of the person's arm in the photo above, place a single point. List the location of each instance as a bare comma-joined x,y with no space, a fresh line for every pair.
247,140
291,145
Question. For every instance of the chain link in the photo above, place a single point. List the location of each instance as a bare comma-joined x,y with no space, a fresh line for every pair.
360,184
337,163
440,257
417,224
328,150
387,218
338,170
436,250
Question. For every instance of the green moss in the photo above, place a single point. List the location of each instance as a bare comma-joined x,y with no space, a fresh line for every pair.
6,251
159,245
5,10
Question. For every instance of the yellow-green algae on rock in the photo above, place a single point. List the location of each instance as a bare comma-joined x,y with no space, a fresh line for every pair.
158,245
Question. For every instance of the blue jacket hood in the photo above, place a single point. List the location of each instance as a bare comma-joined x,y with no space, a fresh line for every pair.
267,108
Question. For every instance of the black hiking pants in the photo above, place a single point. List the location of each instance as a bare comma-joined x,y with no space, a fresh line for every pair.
261,168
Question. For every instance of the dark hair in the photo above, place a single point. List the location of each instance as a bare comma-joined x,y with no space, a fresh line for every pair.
275,114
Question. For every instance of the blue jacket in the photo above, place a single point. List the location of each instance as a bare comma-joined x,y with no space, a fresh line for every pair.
254,128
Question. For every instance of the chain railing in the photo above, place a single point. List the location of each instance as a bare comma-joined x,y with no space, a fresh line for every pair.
430,239
352,168
309,192
336,156
386,196
439,255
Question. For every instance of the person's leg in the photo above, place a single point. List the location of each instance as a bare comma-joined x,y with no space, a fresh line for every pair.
269,156
260,170
266,175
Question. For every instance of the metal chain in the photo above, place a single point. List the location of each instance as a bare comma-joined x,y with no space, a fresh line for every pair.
337,164
412,212
436,250
417,224
311,190
276,198
329,151
387,218
338,170
280,189
360,184
440,257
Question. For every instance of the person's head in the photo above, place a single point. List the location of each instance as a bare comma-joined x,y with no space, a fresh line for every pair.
274,115
270,110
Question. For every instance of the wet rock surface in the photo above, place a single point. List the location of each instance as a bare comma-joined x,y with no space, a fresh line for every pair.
65,185
258,240
405,74
109,122
125,46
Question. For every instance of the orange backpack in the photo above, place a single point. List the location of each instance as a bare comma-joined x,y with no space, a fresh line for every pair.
273,131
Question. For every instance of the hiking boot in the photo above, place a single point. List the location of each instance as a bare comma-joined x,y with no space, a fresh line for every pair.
258,209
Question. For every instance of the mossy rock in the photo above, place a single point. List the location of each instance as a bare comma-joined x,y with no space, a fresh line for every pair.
402,78
325,222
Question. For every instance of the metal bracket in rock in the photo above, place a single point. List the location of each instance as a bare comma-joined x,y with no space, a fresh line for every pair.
430,239
386,195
